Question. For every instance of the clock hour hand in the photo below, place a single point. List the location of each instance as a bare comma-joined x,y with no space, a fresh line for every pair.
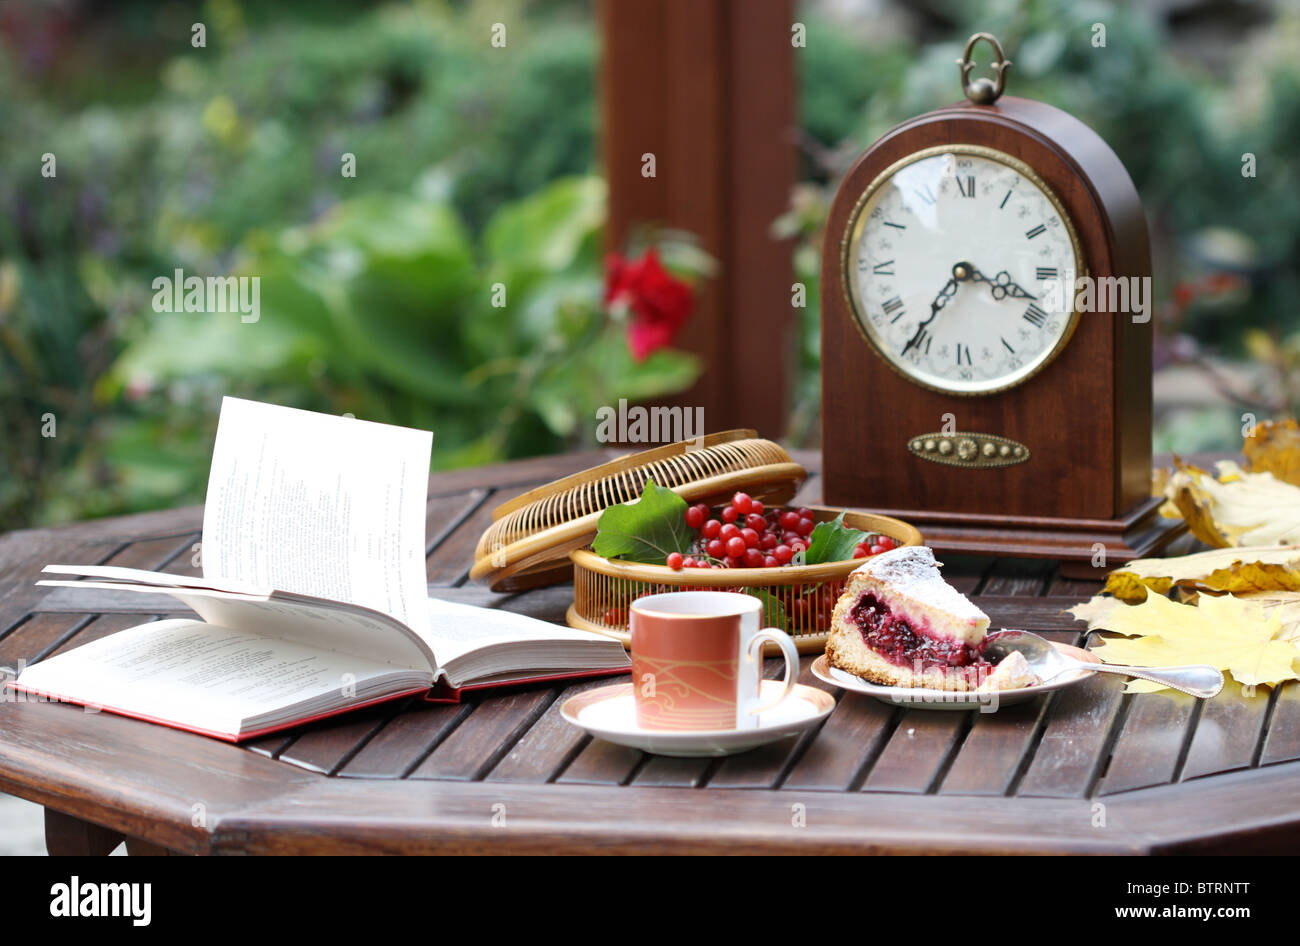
939,302
1000,285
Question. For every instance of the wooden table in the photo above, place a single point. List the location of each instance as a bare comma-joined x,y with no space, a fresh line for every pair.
1086,770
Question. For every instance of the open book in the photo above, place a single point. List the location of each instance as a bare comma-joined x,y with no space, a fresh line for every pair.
313,598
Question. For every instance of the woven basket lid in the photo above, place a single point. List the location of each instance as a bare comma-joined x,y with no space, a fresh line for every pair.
531,536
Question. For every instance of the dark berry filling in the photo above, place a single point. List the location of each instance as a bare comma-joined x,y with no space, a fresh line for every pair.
893,638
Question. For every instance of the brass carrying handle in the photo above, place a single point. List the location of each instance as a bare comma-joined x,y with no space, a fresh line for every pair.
984,91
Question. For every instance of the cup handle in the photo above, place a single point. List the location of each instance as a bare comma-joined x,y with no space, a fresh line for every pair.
788,651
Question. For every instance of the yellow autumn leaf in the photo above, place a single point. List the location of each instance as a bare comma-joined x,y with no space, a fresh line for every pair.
1287,604
1184,499
1159,480
1129,586
1268,568
1238,508
1232,634
1274,447
1096,611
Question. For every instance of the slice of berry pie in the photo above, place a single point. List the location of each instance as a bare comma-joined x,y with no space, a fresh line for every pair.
898,623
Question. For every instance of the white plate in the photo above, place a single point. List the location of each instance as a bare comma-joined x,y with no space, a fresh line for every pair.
922,698
609,712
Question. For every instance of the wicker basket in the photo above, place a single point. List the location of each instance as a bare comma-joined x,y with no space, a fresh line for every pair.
603,588
529,540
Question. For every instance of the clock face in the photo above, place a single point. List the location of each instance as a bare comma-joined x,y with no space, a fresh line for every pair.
960,266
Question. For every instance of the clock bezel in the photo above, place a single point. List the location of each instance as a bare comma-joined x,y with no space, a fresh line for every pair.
849,288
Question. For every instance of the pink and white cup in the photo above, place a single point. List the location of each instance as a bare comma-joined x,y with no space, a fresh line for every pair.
697,660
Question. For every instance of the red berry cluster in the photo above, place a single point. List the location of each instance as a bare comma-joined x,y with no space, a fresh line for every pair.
745,534
873,545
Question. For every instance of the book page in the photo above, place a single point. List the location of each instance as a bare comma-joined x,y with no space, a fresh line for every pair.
314,622
458,629
199,675
319,505
152,581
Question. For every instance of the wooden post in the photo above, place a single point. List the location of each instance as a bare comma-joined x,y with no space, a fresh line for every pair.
707,87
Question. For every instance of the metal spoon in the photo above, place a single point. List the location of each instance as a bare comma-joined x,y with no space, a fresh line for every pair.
1047,662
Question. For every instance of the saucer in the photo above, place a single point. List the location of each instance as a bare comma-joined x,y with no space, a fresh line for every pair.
609,713
987,701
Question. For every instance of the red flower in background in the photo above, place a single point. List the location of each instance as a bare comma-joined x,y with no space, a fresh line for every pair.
660,302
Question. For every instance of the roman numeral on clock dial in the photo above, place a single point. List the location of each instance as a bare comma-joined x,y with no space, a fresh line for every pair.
1037,231
884,269
891,306
1035,315
1046,272
968,190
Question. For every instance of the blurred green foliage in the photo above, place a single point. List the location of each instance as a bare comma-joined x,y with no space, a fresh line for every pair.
376,290
389,309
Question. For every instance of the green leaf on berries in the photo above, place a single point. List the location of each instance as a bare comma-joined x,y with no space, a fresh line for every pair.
645,530
773,609
832,542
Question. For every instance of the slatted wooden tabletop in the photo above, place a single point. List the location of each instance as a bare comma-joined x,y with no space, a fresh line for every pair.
1087,769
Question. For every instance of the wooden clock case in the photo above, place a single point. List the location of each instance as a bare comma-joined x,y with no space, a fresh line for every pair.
1085,417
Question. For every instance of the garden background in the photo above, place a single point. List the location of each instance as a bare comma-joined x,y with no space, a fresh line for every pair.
475,169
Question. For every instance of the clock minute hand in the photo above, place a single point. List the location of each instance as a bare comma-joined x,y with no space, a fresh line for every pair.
939,302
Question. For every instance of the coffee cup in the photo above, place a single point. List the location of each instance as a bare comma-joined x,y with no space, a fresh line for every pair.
697,660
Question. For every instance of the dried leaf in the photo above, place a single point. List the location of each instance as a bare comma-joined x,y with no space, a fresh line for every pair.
1287,604
1274,447
1159,480
1184,498
1232,634
1096,611
1129,586
1272,568
1238,508
1169,510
